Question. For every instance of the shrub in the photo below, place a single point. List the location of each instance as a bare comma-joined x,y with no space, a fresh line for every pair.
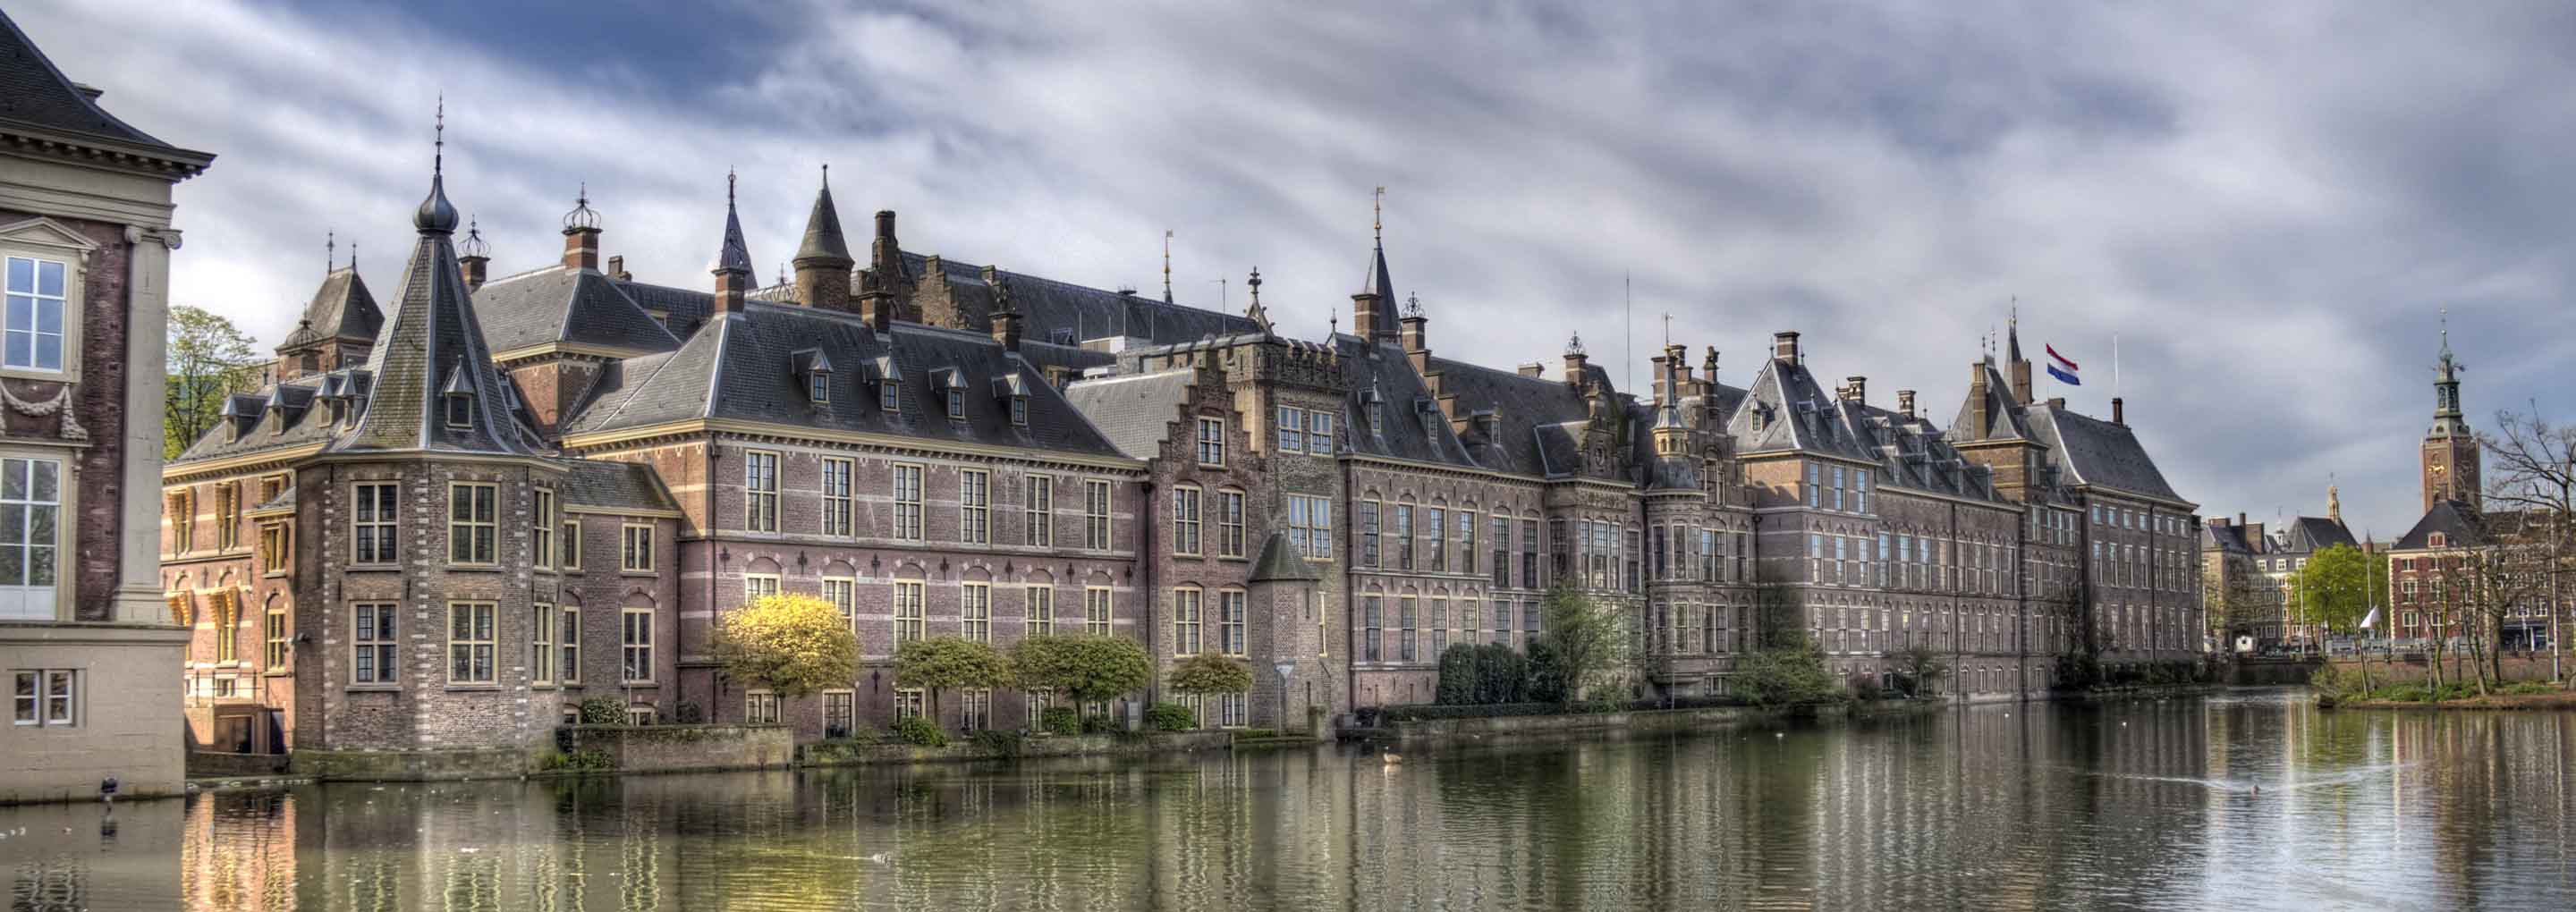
1503,676
2078,671
1209,673
1546,674
1086,669
998,743
920,732
2335,685
588,760
689,713
1458,675
603,711
2525,688
1787,674
1094,725
1060,720
1170,717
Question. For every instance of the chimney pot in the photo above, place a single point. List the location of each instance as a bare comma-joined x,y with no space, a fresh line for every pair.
617,269
2118,416
1533,369
1784,345
1858,387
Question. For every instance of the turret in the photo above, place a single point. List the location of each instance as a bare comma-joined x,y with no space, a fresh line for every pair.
581,233
732,266
823,260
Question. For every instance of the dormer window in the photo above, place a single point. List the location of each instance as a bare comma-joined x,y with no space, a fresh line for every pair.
1020,411
816,371
890,394
956,404
457,398
818,387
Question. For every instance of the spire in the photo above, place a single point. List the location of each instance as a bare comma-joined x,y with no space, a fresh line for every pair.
330,251
1167,265
435,215
2012,333
823,244
1255,313
732,255
2334,504
2447,416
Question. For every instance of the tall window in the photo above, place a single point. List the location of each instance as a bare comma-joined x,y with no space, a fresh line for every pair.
760,707
1502,544
843,593
1095,515
635,643
1095,610
1211,441
910,621
473,525
1368,533
1502,622
975,708
471,642
1466,542
890,394
1372,626
907,502
228,515
1229,523
1185,520
840,712
183,521
1439,626
372,644
760,491
975,612
1039,613
1319,433
34,324
635,547
227,606
1402,532
909,703
1186,607
1292,430
1310,526
1529,554
1435,528
542,538
280,641
568,642
836,498
541,644
1230,609
1040,504
568,553
371,523
30,499
974,506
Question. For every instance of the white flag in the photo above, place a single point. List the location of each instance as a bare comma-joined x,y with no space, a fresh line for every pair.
2371,620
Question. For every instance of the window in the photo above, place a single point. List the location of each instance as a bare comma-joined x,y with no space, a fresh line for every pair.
460,409
542,538
910,623
1368,533
836,498
910,703
818,387
760,491
1211,441
1466,542
757,586
279,648
843,593
183,521
1402,531
1020,411
975,709
1502,622
1040,504
568,642
473,526
956,403
1319,433
273,550
470,643
569,557
635,644
372,522
1404,620
974,506
1229,710
1095,515
1292,430
890,394
541,644
1529,554
1529,622
639,714
1095,610
1815,483
34,324
372,645
45,696
1372,621
1187,603
1038,613
1310,526
1229,523
975,612
840,712
759,707
228,515
1501,534
635,547
907,502
1185,520
1439,626
1230,609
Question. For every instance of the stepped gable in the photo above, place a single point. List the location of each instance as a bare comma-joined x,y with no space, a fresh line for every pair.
563,306
2098,453
744,367
1063,313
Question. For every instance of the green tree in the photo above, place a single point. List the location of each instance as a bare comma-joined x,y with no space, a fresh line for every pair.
1088,669
1786,674
944,663
1209,673
1919,665
206,360
792,644
1585,638
2337,588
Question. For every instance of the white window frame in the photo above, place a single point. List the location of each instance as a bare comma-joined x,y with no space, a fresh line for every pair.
759,707
905,486
975,612
45,697
1230,505
465,531
635,644
843,593
1037,608
1209,442
1039,507
543,529
760,490
42,240
837,486
1098,506
364,518
376,633
1189,617
756,585
1099,610
479,644
541,644
629,548
26,598
975,506
1189,505
911,611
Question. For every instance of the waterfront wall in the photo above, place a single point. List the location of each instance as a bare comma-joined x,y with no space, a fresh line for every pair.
408,766
1431,732
855,753
2269,672
2418,667
676,748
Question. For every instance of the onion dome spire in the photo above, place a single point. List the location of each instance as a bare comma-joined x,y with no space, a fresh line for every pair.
435,214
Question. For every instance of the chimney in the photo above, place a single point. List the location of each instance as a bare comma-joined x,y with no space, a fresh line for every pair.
1417,345
1905,403
2117,416
473,258
1575,359
883,254
1784,346
731,289
1858,390
1006,328
1978,419
1533,370
581,234
2240,519
617,269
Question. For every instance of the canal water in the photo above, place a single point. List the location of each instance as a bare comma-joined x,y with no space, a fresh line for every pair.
2241,801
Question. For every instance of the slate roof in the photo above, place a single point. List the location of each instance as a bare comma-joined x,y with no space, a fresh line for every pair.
1376,282
688,308
568,306
1059,311
823,242
2459,525
739,367
2004,416
2098,453
2227,538
285,500
341,308
1134,411
1531,418
1279,561
1389,412
38,100
1785,409
2310,534
613,486
249,425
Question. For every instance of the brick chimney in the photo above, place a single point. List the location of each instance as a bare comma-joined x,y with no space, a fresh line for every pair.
1784,346
1533,370
1857,389
1413,333
617,269
581,234
1006,328
2118,416
1978,418
1575,359
473,257
1905,403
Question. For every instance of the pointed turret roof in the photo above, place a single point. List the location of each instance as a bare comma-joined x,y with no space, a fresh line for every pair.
733,255
823,244
341,309
1377,283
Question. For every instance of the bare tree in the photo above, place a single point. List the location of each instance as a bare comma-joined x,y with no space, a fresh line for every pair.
2485,582
2531,468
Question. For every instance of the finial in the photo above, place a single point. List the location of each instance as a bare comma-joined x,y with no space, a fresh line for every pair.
1167,265
782,273
438,142
1255,284
1668,328
827,175
1412,305
728,188
1333,326
330,251
2446,330
473,246
582,217
1377,217
1574,346
353,256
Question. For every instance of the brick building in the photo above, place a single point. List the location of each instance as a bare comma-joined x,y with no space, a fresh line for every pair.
85,232
943,448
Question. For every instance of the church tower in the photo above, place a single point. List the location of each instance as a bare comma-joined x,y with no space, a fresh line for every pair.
2450,450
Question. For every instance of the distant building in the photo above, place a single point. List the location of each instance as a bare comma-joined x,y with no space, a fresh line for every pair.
2459,544
2258,566
85,641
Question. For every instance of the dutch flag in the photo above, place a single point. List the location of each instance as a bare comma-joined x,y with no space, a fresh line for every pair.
2061,369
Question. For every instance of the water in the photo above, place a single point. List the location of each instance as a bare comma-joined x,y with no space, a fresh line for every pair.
2236,802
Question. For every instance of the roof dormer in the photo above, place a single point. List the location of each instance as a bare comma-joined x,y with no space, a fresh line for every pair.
813,370
456,399
1012,388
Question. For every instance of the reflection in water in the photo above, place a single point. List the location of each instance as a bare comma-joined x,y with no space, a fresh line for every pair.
2251,801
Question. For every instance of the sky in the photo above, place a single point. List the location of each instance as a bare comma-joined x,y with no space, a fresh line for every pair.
2267,206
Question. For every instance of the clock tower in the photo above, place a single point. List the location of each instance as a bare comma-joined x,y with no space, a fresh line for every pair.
2450,450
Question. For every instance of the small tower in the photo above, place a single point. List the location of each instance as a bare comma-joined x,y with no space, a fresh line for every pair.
473,255
581,233
823,260
2451,455
732,267
1373,308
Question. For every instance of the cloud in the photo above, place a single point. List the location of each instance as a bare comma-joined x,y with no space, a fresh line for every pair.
2266,204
